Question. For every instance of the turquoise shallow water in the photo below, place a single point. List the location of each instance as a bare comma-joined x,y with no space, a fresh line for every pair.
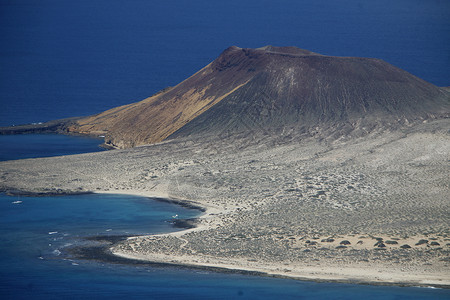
34,263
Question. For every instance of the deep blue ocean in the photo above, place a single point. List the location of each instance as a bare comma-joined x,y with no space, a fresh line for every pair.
45,145
64,58
61,58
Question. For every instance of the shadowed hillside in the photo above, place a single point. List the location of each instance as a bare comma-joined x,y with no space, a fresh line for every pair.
270,89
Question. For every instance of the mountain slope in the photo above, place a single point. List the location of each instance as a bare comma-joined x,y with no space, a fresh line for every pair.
273,88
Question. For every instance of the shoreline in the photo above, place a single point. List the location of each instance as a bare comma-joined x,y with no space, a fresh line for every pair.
264,273
323,273
59,127
335,274
103,254
206,211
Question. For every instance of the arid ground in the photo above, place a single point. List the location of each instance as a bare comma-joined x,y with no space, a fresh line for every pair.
372,209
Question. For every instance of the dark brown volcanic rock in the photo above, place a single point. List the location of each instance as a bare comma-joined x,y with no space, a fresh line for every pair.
304,90
275,88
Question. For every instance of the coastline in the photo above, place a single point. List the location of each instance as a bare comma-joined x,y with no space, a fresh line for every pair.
357,274
60,127
332,274
207,211
300,209
54,126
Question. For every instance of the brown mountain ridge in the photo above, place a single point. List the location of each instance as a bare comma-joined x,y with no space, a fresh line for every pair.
272,89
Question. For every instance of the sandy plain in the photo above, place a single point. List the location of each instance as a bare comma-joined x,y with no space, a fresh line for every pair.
284,205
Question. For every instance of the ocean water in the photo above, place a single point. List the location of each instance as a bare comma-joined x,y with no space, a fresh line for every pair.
63,58
34,264
45,145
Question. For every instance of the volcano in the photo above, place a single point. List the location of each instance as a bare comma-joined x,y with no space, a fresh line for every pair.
271,89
